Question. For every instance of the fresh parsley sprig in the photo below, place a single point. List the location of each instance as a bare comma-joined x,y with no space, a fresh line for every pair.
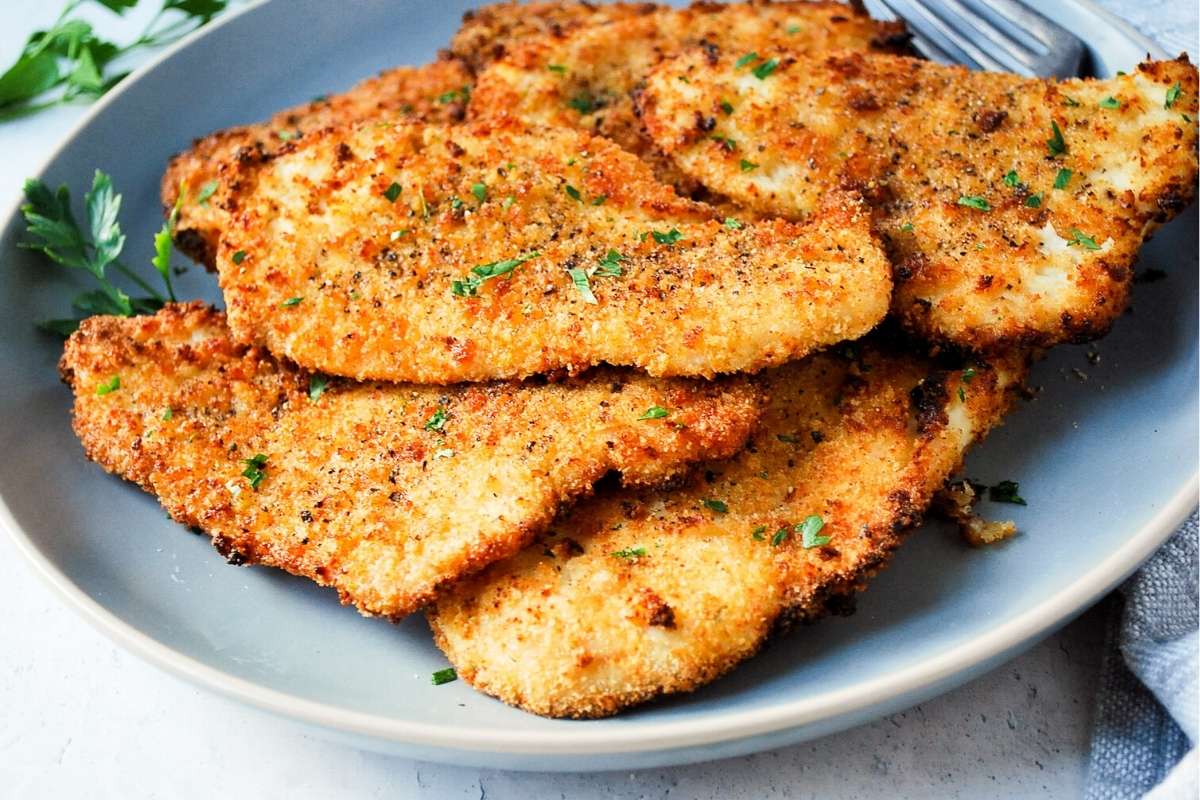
70,62
54,232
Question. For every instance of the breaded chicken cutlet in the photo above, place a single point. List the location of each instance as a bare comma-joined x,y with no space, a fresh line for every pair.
381,491
635,595
1012,208
196,178
438,254
588,78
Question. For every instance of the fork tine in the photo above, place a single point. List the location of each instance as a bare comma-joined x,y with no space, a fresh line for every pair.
1017,58
929,47
932,26
1063,50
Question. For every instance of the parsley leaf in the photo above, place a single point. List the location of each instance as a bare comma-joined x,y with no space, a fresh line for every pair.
654,412
1034,201
780,536
316,386
292,302
480,191
585,102
469,286
573,193
1080,238
629,552
1056,145
256,470
758,532
109,386
447,675
748,166
718,506
437,422
726,107
733,224
1172,95
1110,102
975,201
809,531
746,59
579,279
763,70
1062,178
1011,179
559,68
207,190
1006,492
669,238
239,256
392,192
610,265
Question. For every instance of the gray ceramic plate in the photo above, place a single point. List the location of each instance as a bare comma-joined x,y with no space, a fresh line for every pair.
1108,465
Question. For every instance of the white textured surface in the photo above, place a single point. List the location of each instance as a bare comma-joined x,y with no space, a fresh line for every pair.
80,717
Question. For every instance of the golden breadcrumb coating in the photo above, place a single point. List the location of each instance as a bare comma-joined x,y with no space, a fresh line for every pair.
1012,208
381,491
363,252
436,92
634,595
588,78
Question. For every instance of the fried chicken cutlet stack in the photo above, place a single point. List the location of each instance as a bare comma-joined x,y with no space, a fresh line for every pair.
755,259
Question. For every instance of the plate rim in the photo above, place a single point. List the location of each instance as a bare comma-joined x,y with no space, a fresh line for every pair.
647,738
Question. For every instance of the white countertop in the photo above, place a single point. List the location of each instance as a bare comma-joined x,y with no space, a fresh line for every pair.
81,717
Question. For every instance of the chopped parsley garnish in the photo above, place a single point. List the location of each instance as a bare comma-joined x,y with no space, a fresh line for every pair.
1081,239
480,191
579,279
792,30
729,144
1062,178
392,192
629,552
780,535
758,532
469,286
718,506
256,470
1011,179
285,136
968,375
456,203
975,201
654,412
1056,145
1034,201
1173,95
726,107
292,301
437,422
788,438
763,70
447,675
599,201
1110,102
610,265
169,414
1006,492
584,103
669,238
1070,102
316,386
239,256
733,224
746,59
573,193
962,394
810,530
206,192
109,386
559,68
748,166
454,95
906,227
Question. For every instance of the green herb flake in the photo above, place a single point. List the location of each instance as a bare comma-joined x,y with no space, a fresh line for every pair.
1034,201
669,238
1081,239
906,227
1070,102
1006,492
1011,179
792,30
629,552
610,265
599,201
469,286
968,375
788,438
728,144
447,675
1063,178
718,506
584,103
780,536
168,415
733,224
480,191
316,386
291,302
559,68
392,192
748,166
975,201
109,386
285,136
726,107
1056,145
256,470
456,203
239,256
810,530
746,59
1110,102
962,395
654,412
763,70
573,193
758,532
437,422
1172,95
579,279
207,191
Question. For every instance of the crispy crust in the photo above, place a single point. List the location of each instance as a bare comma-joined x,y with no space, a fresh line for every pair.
915,137
568,629
359,493
422,93
376,275
546,80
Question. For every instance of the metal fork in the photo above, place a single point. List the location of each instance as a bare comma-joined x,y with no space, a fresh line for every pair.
996,35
